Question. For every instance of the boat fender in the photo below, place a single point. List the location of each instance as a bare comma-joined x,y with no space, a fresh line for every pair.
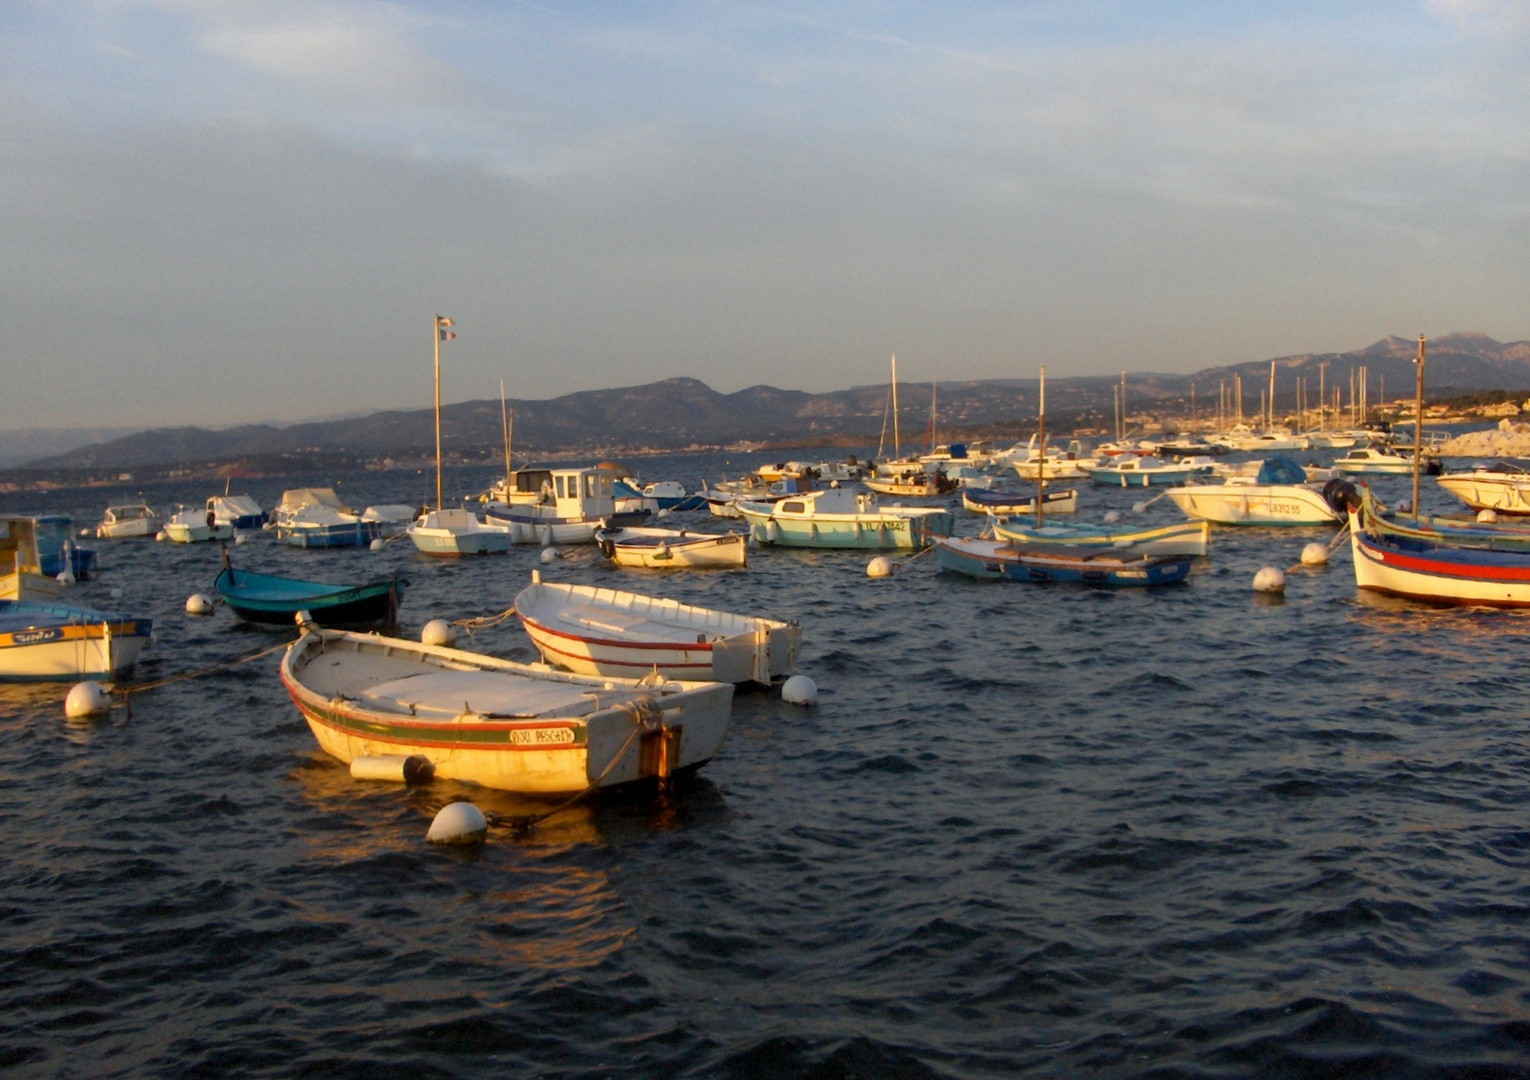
87,699
438,632
1487,517
395,768
608,549
460,823
772,532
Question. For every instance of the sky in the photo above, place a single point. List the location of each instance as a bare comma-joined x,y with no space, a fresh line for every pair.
226,211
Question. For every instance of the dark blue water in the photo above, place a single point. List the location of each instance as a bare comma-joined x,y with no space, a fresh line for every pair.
1027,831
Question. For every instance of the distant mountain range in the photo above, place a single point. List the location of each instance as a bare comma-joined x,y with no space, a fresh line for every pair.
681,413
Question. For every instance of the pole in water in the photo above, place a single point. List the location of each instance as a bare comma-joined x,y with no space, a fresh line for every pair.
1418,425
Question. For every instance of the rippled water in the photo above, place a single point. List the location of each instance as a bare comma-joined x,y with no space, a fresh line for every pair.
1026,831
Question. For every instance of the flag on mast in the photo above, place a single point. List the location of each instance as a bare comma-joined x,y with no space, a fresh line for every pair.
442,322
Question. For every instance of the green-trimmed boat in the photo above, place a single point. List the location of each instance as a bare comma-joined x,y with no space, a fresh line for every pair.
840,518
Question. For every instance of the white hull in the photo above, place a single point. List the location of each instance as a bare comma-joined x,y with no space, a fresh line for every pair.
607,632
457,532
1510,495
677,550
124,530
181,533
84,650
1254,504
1379,572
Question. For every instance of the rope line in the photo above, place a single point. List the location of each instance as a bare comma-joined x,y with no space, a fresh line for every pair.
641,711
138,688
485,622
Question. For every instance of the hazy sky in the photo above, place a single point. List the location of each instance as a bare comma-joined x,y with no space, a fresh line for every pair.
213,212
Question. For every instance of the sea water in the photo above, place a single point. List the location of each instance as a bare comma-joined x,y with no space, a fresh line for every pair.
1027,830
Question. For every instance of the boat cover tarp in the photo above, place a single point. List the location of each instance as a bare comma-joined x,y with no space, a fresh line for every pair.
1280,470
296,499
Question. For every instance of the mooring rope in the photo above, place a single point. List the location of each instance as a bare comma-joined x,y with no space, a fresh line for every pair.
484,622
1332,544
138,688
642,711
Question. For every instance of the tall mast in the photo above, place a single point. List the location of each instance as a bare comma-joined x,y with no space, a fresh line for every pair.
1418,425
1041,444
1270,418
897,447
504,420
1322,405
436,337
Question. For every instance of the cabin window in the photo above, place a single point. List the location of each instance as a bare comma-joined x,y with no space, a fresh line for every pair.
589,485
562,491
793,507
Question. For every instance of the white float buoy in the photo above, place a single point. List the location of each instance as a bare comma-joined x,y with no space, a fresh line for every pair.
66,576
1270,579
397,768
162,535
1112,516
87,699
376,544
116,593
241,538
459,823
799,690
438,632
1405,507
881,566
199,604
1138,507
1315,554
1487,517
549,555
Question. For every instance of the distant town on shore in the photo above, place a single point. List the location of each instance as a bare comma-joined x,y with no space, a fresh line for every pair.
1469,377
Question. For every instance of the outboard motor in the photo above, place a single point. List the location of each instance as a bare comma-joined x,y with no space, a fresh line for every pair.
1342,495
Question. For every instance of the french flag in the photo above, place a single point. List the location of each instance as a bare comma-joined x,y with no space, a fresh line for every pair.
447,335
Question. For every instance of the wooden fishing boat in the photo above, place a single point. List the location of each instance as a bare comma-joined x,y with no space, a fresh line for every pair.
1427,530
1009,502
41,640
673,549
998,560
516,727
916,485
607,632
266,598
127,520
1181,538
838,518
1420,570
1277,494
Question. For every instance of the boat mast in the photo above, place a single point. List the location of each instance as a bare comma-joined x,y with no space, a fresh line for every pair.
1269,424
897,447
931,449
504,420
436,337
1041,444
1418,425
1322,405
1122,437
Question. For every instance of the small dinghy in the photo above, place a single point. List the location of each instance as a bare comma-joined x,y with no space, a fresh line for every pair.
515,727
998,560
672,549
60,641
1009,502
272,600
608,632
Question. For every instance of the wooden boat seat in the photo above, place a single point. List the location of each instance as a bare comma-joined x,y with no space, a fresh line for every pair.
490,694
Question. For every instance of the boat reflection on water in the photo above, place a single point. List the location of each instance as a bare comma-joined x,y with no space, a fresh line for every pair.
537,901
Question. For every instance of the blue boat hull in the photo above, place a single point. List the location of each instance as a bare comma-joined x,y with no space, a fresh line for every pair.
360,534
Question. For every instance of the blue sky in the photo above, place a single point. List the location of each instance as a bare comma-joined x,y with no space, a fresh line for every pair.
217,212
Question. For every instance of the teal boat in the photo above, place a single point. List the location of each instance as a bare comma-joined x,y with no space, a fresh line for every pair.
266,598
840,518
